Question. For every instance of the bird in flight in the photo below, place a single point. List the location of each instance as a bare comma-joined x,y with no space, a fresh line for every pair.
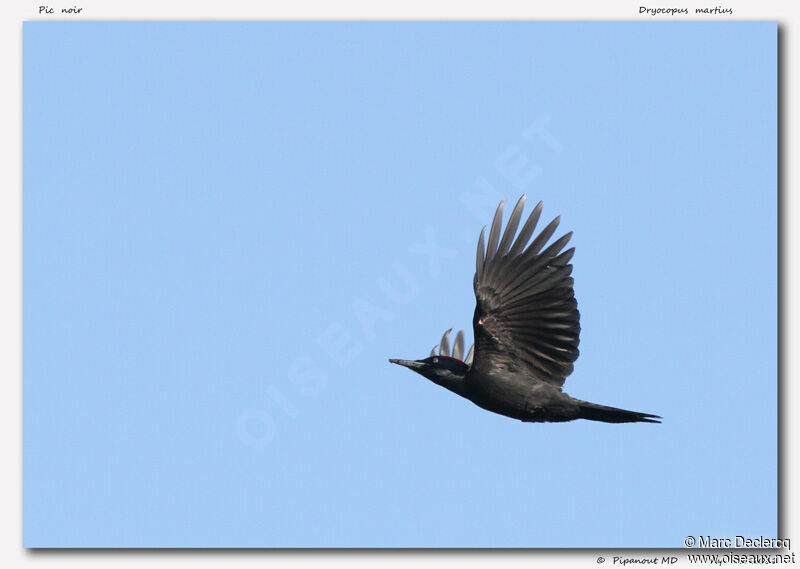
526,327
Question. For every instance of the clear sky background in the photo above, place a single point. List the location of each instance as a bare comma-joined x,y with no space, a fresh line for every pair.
229,228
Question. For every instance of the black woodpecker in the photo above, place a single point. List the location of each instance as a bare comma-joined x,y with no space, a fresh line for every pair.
526,327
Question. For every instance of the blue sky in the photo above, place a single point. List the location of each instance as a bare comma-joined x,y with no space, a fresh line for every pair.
229,228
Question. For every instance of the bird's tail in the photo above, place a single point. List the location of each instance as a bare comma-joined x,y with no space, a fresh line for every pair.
595,412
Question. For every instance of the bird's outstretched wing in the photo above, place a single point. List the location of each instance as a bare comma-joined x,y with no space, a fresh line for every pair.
458,347
526,315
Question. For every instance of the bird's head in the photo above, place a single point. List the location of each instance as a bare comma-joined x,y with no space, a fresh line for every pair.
446,371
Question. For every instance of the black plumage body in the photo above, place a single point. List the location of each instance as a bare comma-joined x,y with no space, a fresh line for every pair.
526,325
511,393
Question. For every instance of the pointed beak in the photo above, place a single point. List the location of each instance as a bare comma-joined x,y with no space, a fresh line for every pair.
410,364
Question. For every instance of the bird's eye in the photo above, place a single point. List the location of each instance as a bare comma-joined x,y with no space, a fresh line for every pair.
436,360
